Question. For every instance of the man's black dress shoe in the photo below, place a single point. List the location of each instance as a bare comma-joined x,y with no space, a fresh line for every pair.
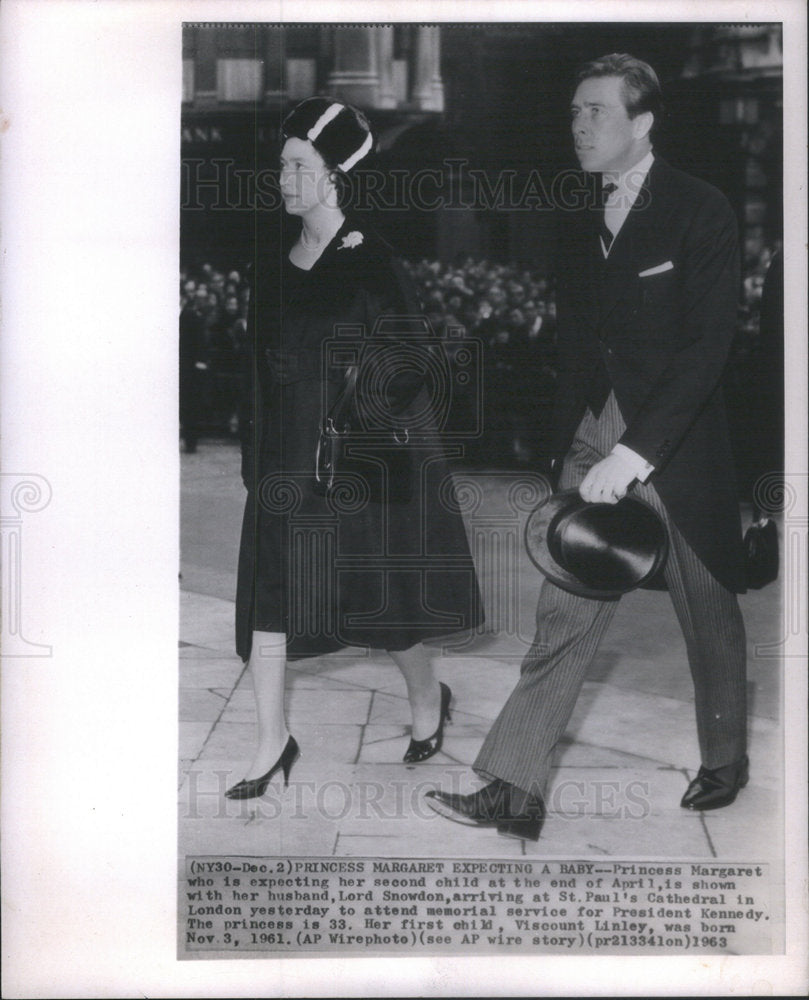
499,804
716,788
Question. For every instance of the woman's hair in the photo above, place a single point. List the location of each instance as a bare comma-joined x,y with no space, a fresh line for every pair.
641,87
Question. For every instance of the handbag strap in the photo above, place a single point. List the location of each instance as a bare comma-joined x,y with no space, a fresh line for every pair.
337,417
760,517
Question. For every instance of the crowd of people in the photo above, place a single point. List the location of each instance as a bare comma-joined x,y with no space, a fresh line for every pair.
756,268
754,382
509,313
213,326
505,311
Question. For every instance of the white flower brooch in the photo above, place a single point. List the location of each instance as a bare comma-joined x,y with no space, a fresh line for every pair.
351,240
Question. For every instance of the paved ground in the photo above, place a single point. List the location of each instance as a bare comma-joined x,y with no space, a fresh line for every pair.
628,755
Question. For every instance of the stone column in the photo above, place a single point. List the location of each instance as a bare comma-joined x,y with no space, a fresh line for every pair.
428,89
437,80
355,75
273,55
384,48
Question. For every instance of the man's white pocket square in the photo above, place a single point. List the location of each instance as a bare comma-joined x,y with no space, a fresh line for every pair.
668,266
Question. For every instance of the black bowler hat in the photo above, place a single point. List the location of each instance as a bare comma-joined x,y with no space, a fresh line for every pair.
598,550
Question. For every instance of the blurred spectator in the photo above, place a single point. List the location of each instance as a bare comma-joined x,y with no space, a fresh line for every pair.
763,390
193,368
771,354
201,301
217,283
755,373
225,340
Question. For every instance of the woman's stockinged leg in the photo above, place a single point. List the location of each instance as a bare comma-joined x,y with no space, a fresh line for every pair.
267,666
423,691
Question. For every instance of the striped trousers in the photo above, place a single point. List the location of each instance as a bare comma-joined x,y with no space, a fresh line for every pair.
519,746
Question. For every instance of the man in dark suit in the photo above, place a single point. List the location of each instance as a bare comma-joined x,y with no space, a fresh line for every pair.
646,308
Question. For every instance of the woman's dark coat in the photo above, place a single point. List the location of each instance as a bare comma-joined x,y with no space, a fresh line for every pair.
345,569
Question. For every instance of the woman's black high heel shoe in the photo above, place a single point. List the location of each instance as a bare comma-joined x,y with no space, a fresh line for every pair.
252,788
420,750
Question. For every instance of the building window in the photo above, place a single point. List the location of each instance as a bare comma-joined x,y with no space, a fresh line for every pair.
238,79
301,78
188,80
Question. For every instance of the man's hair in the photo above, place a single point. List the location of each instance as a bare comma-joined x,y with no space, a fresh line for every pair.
641,87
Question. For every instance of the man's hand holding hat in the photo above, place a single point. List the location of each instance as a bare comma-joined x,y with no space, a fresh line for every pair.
608,480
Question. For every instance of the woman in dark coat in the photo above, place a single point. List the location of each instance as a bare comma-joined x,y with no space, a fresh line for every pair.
378,555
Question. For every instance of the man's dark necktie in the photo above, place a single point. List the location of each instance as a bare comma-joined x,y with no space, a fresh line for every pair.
604,231
600,385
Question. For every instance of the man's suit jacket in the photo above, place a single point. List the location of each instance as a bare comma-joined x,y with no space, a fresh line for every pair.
655,322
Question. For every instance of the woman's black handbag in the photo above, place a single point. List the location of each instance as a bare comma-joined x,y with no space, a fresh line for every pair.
761,551
374,464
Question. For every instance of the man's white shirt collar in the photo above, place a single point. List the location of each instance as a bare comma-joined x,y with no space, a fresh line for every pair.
628,184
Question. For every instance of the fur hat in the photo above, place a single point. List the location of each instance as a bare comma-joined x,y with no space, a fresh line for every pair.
340,133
